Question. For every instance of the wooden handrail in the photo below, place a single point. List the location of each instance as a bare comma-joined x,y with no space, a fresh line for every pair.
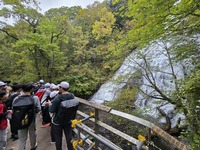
94,105
157,130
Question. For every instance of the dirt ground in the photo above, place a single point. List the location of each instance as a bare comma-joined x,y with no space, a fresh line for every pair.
43,139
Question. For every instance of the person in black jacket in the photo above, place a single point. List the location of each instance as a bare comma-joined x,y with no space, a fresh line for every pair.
25,100
53,108
17,89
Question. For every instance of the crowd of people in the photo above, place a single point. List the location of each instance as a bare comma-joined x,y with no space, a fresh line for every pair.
46,98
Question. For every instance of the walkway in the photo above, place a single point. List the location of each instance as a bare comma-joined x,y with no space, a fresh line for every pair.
43,139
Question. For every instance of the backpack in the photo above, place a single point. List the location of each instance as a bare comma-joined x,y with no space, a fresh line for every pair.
40,94
67,111
23,111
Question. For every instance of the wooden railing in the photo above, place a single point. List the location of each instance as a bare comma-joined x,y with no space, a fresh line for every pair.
97,123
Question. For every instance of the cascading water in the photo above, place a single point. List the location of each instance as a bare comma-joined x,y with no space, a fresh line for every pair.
159,71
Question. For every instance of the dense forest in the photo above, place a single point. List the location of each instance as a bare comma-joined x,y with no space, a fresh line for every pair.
86,46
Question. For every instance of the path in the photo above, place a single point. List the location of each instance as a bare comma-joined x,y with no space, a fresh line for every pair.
43,139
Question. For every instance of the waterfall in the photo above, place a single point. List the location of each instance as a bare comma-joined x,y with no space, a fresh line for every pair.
160,72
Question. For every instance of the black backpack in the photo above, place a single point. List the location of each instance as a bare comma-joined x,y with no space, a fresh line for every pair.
23,111
67,111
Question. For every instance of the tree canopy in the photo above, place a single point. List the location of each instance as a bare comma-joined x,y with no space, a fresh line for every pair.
86,46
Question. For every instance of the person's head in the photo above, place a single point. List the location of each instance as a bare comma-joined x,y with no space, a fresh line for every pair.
2,85
41,81
9,89
64,86
28,87
3,95
47,85
17,87
54,87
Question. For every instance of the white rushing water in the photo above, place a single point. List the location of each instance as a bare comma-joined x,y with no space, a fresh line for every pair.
157,58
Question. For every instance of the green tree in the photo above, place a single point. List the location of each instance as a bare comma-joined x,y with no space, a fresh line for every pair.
156,19
104,26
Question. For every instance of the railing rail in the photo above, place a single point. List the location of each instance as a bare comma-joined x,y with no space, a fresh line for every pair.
150,126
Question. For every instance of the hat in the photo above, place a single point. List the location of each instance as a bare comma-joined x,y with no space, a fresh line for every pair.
2,83
54,87
47,85
53,94
41,81
64,85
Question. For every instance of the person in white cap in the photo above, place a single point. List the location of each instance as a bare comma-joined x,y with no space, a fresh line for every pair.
53,94
54,87
41,81
53,108
40,86
46,119
2,85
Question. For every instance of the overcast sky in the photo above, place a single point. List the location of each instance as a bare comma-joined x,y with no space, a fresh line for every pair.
47,4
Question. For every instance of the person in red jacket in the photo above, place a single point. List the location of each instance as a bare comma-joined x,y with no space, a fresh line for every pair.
3,119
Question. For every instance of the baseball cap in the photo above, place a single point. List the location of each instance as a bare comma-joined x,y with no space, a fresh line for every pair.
47,85
52,85
41,81
2,83
55,87
64,85
53,94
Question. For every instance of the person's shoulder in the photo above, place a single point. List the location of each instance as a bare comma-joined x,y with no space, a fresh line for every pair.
35,97
68,96
57,98
13,96
71,95
18,97
47,91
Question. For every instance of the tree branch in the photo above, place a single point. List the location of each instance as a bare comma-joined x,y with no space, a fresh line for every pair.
10,35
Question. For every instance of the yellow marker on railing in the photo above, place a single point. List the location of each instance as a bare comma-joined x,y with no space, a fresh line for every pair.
91,114
80,142
92,145
74,144
74,122
141,138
